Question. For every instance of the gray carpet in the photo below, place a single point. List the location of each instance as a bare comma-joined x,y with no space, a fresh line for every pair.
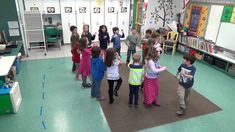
121,118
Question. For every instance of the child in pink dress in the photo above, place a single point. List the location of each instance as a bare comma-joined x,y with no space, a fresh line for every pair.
85,64
151,83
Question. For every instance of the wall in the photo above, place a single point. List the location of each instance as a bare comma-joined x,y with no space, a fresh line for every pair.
8,13
215,1
151,7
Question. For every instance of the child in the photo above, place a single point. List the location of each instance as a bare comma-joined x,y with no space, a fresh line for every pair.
74,38
87,34
76,58
186,73
135,79
151,84
116,39
132,41
144,43
97,72
112,61
104,39
85,65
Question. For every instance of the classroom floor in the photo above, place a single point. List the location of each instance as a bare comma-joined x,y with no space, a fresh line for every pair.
53,101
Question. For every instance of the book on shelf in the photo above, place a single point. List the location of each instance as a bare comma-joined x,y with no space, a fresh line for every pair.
198,43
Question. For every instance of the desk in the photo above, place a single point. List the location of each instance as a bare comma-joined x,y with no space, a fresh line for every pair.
15,51
5,63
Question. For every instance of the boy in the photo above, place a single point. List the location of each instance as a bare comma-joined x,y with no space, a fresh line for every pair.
116,39
131,41
186,73
135,79
144,43
98,69
74,38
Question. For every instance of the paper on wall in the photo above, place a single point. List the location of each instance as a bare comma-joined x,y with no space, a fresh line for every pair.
13,24
14,32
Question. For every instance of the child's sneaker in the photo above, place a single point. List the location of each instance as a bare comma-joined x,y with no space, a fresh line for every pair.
115,93
130,105
136,106
180,112
102,98
111,101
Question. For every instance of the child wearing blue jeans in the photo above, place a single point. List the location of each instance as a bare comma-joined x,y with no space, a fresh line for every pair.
116,39
135,79
98,69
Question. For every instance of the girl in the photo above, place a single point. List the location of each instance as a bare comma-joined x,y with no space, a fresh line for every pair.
112,60
85,65
151,84
104,39
87,34
76,58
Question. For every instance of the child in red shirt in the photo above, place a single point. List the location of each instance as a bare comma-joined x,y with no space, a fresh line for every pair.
76,58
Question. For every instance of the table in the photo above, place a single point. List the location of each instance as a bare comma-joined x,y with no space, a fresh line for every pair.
5,63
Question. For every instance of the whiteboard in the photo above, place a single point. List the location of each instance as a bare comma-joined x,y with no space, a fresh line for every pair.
226,37
214,22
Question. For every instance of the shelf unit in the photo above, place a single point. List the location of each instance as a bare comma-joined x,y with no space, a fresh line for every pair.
208,53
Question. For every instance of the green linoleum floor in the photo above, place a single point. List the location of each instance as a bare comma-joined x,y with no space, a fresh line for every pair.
66,107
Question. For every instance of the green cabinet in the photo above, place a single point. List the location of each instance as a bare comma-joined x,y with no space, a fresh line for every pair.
5,104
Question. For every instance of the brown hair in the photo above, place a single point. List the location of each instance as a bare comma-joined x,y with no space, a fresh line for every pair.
152,54
155,35
82,43
190,58
109,56
95,52
136,57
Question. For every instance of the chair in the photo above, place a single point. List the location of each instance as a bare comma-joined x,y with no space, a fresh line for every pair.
52,36
171,41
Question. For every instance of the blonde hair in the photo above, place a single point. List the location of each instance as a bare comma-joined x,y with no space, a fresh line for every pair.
136,57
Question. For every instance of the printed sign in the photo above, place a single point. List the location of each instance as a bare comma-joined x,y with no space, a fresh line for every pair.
50,9
34,9
82,9
123,9
97,10
111,10
68,9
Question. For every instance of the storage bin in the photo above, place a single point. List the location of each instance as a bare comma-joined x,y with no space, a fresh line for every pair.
221,64
209,59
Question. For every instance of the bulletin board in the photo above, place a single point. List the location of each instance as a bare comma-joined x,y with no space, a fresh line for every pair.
196,16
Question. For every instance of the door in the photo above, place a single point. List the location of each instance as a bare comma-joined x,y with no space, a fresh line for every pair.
111,10
68,17
33,5
83,14
124,16
97,15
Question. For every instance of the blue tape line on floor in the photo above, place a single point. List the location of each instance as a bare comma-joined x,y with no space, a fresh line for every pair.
41,111
43,124
42,84
44,77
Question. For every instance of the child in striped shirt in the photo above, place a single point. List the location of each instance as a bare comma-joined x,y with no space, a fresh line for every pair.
135,79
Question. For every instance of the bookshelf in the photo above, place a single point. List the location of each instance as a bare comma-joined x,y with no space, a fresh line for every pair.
208,52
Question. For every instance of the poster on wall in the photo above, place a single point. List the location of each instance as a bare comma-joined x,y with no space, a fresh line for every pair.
34,9
233,16
195,16
82,9
111,9
123,9
68,9
227,14
96,10
50,9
